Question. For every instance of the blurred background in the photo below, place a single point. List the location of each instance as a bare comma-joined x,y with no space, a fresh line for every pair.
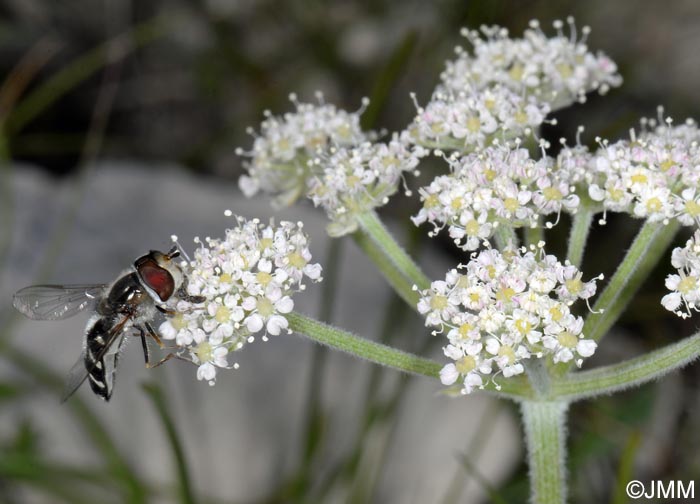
118,125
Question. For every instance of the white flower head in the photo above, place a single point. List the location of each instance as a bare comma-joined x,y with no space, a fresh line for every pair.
503,308
557,70
280,161
238,287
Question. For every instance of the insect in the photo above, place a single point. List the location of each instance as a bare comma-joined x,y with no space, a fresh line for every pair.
128,304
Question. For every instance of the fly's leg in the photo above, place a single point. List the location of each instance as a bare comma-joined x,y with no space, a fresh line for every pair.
144,346
155,336
152,333
167,358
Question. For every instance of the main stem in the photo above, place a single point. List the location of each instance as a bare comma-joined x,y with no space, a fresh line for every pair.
545,435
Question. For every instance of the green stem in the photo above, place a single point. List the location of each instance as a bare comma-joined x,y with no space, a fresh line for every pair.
372,225
384,355
646,250
580,227
534,235
629,373
545,435
401,285
363,348
505,235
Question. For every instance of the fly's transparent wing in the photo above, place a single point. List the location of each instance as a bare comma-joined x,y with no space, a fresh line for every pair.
56,302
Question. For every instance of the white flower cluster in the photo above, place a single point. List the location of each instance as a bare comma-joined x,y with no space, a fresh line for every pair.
497,185
654,176
469,119
556,70
247,280
505,307
360,178
281,154
684,286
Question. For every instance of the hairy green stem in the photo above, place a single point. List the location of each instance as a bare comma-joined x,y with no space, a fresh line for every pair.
646,250
580,227
338,339
545,436
401,285
362,348
504,235
373,227
629,373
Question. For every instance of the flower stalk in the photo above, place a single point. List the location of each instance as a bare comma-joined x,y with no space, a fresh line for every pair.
646,251
545,436
373,227
580,227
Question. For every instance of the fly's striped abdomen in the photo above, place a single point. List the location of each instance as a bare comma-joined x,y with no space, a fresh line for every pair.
101,361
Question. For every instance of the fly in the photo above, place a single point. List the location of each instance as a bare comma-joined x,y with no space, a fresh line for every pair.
130,303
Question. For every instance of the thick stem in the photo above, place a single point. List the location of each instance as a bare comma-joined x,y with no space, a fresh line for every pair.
545,435
630,373
372,225
580,227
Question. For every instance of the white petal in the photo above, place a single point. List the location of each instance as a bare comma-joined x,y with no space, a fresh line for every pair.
284,305
276,324
449,374
206,372
586,348
254,323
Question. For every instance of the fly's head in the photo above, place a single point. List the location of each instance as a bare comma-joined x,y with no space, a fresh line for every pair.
160,274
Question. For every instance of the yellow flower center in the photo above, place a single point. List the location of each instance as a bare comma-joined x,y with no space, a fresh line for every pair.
692,208
473,124
567,339
523,326
516,72
472,228
204,351
263,277
438,302
431,201
225,278
222,315
653,204
505,294
574,286
466,364
666,165
552,194
687,285
465,329
511,204
565,70
296,260
265,307
178,322
506,351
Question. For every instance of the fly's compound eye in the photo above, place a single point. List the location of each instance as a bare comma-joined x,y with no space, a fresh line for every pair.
154,277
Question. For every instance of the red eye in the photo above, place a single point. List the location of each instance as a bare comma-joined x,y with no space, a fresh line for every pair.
157,279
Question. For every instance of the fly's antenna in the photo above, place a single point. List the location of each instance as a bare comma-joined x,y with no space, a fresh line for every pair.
177,250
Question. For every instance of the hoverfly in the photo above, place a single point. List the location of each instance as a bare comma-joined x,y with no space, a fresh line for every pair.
129,303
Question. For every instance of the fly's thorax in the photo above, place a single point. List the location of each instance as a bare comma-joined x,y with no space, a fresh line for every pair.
159,275
123,296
